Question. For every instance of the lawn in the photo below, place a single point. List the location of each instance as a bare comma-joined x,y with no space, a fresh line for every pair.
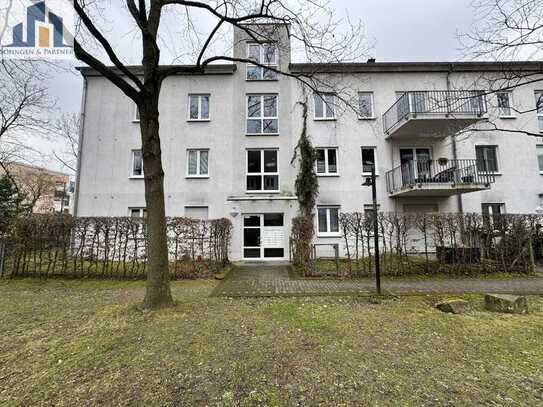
81,343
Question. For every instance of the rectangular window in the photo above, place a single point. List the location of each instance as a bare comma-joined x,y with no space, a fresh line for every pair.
324,106
262,115
365,101
198,107
137,212
539,108
368,160
492,212
266,56
198,163
487,158
505,105
137,164
262,171
136,117
326,161
540,157
328,220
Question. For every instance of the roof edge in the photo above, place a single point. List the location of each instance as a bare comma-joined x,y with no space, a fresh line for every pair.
213,69
368,67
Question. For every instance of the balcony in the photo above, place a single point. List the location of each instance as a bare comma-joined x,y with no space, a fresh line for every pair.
443,177
435,114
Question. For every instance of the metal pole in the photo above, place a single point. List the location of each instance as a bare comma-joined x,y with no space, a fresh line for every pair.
375,231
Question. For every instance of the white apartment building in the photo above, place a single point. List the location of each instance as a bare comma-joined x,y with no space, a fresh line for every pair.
228,137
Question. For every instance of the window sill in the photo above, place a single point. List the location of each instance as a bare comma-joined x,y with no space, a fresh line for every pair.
261,134
368,174
135,121
324,119
136,177
490,173
328,175
335,234
367,118
507,117
262,80
262,192
197,176
198,120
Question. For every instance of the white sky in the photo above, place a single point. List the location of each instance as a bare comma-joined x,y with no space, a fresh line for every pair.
414,30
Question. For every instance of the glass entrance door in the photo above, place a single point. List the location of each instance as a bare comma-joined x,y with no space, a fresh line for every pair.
263,236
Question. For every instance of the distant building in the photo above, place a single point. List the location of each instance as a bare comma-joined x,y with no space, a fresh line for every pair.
48,191
228,136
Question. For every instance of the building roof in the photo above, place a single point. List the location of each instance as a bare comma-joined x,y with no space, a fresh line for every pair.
378,67
36,168
212,69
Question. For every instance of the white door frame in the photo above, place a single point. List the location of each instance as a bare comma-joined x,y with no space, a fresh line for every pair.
261,247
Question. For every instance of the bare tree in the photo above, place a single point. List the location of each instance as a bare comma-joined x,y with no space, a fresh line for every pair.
66,130
310,22
505,31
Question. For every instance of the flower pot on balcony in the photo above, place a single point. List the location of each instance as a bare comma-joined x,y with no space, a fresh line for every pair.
442,161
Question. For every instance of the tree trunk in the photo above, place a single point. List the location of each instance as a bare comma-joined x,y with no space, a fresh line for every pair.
158,293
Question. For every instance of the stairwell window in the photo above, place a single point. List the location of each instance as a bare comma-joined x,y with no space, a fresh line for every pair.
365,105
324,106
326,161
137,164
262,116
487,158
262,54
328,220
262,171
198,108
198,163
539,108
368,160
505,104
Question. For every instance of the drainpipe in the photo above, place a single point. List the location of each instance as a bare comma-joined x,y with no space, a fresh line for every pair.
80,145
454,150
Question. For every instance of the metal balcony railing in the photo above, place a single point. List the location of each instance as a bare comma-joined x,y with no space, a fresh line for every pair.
442,171
435,102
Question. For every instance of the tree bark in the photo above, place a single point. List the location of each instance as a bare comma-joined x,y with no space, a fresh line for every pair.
158,293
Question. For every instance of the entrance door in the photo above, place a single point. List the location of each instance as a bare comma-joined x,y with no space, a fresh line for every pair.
263,236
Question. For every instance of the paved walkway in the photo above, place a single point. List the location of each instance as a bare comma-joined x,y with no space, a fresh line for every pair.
271,281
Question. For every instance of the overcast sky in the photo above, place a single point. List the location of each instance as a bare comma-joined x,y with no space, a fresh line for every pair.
414,30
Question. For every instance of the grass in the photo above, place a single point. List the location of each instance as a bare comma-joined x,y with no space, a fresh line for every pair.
85,343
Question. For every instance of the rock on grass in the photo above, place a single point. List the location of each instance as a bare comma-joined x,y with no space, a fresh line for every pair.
510,304
454,306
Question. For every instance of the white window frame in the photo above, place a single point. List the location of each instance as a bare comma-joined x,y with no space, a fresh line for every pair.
498,161
141,209
372,104
136,116
511,114
261,117
262,173
537,147
200,97
198,163
538,94
325,106
261,61
374,148
328,233
132,156
327,172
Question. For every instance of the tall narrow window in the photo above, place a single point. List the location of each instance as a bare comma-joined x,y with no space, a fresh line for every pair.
324,106
262,171
326,161
198,163
136,117
505,104
262,115
266,56
368,160
487,158
198,107
539,108
137,164
328,220
540,157
365,101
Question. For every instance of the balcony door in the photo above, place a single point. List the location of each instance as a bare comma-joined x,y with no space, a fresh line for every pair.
416,164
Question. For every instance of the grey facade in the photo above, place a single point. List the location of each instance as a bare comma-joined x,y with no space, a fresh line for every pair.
219,181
